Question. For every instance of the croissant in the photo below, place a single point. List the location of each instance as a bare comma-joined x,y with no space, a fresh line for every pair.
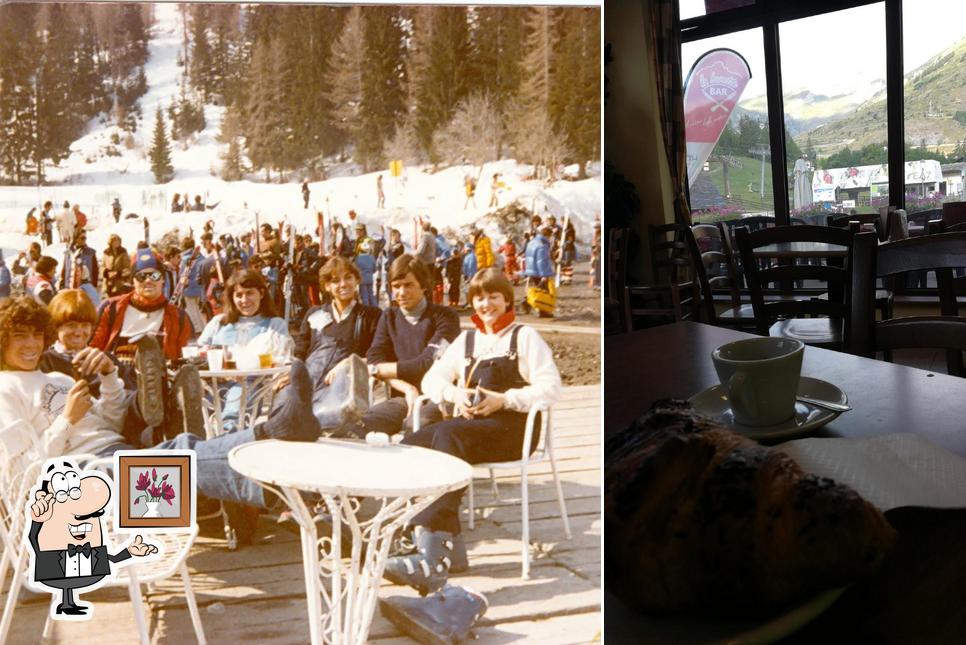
702,519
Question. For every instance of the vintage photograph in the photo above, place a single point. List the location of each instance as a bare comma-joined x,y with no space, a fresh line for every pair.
350,256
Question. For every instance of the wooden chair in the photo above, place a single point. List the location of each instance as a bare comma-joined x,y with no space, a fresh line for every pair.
615,280
718,270
941,253
784,317
884,298
842,220
954,213
674,293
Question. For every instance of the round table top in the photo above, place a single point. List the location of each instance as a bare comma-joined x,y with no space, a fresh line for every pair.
262,371
333,466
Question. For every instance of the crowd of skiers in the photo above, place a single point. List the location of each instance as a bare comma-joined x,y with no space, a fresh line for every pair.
196,270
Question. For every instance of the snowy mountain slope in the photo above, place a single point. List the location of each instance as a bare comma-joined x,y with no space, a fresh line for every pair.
92,178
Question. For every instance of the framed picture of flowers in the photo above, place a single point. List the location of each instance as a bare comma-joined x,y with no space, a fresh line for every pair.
155,490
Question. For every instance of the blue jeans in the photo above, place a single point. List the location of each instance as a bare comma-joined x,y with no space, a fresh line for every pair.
366,294
216,479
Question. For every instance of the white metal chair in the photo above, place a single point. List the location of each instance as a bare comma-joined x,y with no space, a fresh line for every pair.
20,455
22,458
543,452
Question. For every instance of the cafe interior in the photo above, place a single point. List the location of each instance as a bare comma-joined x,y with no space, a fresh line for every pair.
785,415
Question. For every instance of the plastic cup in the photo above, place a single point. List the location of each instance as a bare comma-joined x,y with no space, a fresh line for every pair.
216,359
264,361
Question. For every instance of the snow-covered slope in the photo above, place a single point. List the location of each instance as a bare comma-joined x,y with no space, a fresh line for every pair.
92,178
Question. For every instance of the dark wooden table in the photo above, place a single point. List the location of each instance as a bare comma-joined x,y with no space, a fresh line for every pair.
675,361
786,250
918,595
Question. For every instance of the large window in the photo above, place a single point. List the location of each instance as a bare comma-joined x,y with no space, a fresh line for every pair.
693,8
934,64
735,179
835,112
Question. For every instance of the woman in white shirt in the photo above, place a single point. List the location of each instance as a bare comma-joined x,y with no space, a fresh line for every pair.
493,375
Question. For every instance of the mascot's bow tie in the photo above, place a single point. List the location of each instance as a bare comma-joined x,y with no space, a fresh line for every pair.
73,549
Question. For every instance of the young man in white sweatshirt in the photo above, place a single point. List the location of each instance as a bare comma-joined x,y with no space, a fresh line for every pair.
68,420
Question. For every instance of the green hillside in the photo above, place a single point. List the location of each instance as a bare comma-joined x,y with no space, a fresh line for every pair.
749,174
934,93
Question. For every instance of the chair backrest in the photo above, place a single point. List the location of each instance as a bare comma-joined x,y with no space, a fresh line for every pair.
941,253
717,260
940,226
842,220
21,458
835,277
954,213
616,262
670,255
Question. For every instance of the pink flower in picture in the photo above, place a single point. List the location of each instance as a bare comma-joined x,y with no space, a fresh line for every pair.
167,493
143,482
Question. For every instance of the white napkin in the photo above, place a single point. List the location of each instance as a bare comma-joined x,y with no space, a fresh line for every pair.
890,471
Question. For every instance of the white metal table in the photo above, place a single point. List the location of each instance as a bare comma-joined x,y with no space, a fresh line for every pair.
256,394
405,479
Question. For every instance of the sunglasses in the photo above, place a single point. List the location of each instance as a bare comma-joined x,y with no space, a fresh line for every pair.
141,276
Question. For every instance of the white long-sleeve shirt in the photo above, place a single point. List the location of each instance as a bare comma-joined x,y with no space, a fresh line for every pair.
534,358
38,399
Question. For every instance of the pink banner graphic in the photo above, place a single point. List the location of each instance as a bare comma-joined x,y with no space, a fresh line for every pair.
711,92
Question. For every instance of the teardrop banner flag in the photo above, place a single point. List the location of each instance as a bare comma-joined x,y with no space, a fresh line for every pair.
711,92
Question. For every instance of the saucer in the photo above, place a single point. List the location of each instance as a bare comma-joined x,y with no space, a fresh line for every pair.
713,403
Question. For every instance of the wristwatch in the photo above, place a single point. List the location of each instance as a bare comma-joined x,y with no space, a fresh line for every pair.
373,370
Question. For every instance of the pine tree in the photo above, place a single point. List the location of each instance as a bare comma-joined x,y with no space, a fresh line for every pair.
538,141
17,114
58,120
202,63
160,152
382,83
232,167
498,47
575,102
442,80
264,126
348,58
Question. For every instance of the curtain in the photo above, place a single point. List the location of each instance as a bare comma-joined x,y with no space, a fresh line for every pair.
665,32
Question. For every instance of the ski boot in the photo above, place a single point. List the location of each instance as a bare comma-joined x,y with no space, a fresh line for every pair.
427,569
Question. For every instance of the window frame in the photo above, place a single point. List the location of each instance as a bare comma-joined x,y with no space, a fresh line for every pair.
768,15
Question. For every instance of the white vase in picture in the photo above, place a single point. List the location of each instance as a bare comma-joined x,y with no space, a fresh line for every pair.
152,510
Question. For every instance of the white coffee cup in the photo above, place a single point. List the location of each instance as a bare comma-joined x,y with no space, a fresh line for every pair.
216,359
760,377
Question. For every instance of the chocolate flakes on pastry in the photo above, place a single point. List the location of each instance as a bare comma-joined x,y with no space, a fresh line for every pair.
699,518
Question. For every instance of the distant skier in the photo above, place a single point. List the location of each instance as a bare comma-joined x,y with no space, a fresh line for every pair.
33,224
469,184
379,192
494,186
116,209
47,224
65,224
305,194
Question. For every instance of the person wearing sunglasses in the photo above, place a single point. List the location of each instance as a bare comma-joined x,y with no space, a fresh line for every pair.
143,312
143,328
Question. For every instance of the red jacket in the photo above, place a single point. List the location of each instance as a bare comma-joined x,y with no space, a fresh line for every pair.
175,326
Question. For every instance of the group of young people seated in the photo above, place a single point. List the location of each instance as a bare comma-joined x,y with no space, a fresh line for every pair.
97,381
